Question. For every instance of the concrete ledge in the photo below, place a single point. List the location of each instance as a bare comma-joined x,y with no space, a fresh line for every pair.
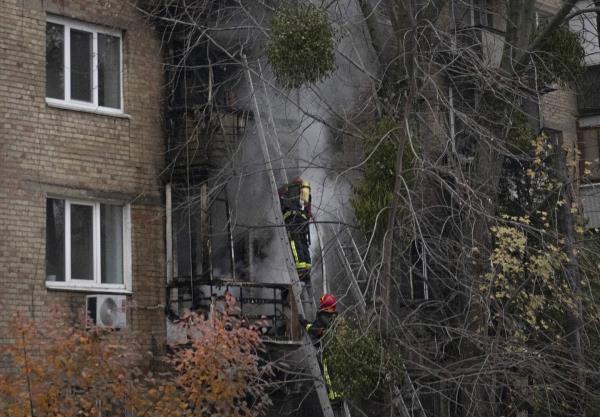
61,286
92,110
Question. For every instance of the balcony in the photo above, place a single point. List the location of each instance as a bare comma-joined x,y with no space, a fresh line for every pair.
486,42
197,145
253,302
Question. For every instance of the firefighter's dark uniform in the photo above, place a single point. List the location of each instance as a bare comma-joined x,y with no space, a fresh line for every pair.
316,330
296,215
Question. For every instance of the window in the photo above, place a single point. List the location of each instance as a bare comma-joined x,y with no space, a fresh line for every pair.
83,66
473,13
590,194
588,144
87,244
482,14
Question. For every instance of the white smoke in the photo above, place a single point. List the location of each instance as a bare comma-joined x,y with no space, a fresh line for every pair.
298,124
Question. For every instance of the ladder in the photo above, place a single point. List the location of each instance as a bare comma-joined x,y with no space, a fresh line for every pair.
300,295
350,257
408,398
290,275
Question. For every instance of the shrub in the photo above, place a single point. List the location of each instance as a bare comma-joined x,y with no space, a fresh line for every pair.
64,370
219,372
361,365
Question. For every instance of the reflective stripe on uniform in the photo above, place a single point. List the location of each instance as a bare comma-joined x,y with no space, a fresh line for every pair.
289,213
333,395
299,264
294,251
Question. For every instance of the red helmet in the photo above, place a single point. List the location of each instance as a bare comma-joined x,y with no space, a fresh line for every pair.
328,303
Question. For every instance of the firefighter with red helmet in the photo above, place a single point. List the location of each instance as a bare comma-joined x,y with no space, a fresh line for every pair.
325,315
317,329
295,202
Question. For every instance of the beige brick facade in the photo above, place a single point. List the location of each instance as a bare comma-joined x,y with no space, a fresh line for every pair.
559,111
46,150
559,108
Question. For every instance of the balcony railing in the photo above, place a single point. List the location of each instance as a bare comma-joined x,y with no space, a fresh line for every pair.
254,300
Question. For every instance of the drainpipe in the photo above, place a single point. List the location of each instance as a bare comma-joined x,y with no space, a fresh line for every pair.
169,245
452,121
169,232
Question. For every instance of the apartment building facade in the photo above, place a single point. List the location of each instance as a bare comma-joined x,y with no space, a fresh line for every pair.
588,111
573,112
81,152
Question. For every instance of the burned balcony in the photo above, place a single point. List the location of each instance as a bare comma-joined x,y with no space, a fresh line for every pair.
202,120
269,303
198,145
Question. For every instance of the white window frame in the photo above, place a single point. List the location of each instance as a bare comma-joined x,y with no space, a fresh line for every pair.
67,102
540,17
96,283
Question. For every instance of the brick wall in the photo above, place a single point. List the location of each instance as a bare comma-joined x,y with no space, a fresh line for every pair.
559,112
46,150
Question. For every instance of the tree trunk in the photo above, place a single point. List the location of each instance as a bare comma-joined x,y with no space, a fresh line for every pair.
566,227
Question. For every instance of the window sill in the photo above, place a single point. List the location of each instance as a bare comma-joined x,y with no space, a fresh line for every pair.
93,110
62,286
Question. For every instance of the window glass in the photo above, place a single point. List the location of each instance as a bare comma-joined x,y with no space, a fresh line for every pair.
109,71
55,240
111,243
85,242
482,13
591,150
187,240
541,18
55,57
81,65
183,237
82,242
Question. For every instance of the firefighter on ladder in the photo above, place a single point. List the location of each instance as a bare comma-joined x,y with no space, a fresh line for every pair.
317,329
295,206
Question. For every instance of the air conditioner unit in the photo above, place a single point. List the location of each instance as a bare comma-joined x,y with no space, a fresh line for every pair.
106,310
